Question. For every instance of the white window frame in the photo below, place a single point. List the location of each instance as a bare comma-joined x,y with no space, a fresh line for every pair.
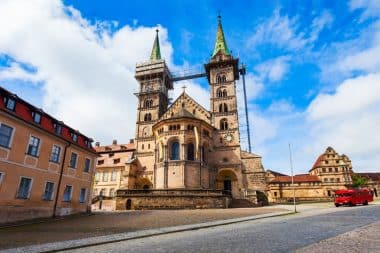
85,195
60,153
105,173
13,133
39,146
76,161
89,166
30,187
71,193
113,172
2,175
52,194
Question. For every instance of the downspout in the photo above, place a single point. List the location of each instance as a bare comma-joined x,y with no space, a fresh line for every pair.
60,180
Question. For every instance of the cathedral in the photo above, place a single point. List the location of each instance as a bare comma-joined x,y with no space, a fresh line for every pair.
184,146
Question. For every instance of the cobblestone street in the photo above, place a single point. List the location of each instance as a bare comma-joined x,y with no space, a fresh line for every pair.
117,222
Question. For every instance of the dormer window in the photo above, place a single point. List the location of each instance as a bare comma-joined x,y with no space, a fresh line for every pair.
87,143
36,116
10,103
57,128
74,136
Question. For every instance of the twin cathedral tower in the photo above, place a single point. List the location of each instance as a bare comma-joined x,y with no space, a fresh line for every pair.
184,146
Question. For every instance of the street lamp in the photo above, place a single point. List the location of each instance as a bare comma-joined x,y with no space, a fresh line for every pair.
291,171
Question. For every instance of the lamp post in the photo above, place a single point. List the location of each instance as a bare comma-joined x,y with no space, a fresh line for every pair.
291,171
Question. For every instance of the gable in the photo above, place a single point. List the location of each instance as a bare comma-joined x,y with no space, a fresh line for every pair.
185,102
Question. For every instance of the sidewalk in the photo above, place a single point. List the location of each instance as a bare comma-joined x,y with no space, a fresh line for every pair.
365,239
113,224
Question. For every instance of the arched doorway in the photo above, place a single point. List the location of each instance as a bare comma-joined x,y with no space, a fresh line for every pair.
227,181
128,204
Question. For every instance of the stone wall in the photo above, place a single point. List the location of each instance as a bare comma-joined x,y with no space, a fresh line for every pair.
171,199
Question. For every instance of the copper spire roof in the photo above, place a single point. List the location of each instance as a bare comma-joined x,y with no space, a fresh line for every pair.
220,44
156,52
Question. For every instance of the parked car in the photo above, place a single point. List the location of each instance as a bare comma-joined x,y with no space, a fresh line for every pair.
353,197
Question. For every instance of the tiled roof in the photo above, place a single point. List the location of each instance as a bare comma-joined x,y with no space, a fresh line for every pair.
297,179
375,176
317,162
276,173
23,110
116,148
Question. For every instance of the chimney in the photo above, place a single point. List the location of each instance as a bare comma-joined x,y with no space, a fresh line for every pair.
131,141
114,142
97,144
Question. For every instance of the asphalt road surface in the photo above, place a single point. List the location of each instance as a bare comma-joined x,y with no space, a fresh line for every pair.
278,234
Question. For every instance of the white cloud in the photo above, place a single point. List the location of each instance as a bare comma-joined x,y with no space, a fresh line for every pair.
281,31
319,23
16,72
87,70
275,69
348,120
371,8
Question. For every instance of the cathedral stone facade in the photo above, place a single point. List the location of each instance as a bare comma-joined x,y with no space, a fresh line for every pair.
186,148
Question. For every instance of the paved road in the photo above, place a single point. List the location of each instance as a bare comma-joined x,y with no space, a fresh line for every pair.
280,234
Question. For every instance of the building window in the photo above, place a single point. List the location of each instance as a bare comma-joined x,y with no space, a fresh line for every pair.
174,154
55,153
330,169
102,192
190,127
190,151
221,78
331,179
10,103
87,163
275,194
5,135
57,128
112,192
88,143
33,147
24,188
1,177
325,179
74,136
105,176
97,176
100,162
223,107
67,193
148,103
36,116
148,117
225,159
116,161
49,189
82,196
73,160
336,169
113,175
223,124
222,92
323,169
338,180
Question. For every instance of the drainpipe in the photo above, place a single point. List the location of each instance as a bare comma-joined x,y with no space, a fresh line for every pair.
60,180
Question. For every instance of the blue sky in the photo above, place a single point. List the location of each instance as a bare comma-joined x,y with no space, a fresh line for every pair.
313,67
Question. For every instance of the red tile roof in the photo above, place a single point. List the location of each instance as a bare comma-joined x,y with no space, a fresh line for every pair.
375,176
23,110
116,148
302,178
317,162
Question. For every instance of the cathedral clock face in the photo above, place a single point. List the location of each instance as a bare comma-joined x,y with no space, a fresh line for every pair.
228,137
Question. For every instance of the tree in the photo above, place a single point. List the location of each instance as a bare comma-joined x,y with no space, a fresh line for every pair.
358,181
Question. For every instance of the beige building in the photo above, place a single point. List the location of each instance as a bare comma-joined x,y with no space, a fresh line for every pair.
111,166
46,167
329,173
184,146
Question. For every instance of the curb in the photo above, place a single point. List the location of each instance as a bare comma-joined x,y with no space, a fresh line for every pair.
93,241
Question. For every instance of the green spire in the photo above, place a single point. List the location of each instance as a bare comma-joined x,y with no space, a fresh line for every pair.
220,44
156,53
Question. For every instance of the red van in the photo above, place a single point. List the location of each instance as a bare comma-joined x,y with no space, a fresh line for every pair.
353,197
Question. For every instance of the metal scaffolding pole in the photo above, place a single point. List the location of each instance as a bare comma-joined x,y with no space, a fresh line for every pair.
242,73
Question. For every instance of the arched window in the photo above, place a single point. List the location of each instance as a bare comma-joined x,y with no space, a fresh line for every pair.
148,117
174,148
203,153
221,78
190,151
148,103
223,124
223,107
219,93
224,93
